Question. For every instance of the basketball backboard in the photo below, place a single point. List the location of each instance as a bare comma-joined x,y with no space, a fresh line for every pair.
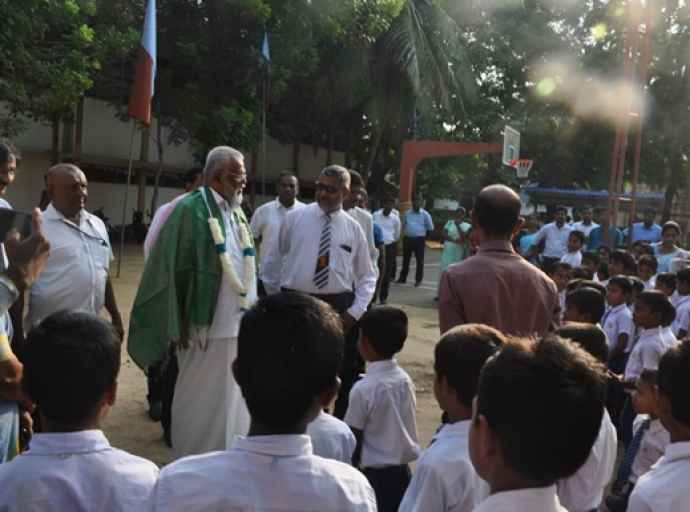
511,145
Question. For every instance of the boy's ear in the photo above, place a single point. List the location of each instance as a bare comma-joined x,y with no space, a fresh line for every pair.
663,404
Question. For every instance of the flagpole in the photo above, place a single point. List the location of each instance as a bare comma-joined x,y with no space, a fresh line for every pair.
124,204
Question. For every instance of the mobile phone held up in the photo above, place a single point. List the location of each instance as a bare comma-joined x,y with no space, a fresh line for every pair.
13,219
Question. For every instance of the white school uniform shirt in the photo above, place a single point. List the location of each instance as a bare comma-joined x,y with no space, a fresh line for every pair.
616,321
262,474
665,488
332,438
76,472
265,224
366,222
652,446
682,321
584,491
650,284
444,479
536,499
647,351
574,259
556,239
389,224
561,304
349,260
76,272
584,228
382,405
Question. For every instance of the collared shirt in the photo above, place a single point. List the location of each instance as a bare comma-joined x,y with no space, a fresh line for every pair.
9,411
584,228
641,232
665,488
390,225
668,261
555,238
616,321
266,223
332,438
682,321
646,354
76,272
596,238
654,442
650,284
226,320
263,473
490,288
382,405
159,218
574,259
584,490
366,222
536,499
417,224
444,478
75,471
349,260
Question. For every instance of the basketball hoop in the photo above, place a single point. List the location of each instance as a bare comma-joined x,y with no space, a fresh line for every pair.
522,167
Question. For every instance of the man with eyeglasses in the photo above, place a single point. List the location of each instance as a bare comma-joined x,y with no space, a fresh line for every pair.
326,255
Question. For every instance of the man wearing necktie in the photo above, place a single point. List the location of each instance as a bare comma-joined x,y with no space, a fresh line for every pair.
326,255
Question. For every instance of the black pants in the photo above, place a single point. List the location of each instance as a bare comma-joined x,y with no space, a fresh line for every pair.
161,380
417,246
390,484
389,254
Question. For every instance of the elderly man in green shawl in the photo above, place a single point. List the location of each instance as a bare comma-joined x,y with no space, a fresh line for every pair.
198,280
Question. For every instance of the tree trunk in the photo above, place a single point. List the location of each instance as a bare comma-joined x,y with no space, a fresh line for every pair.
675,165
55,140
68,136
295,158
378,135
252,183
79,131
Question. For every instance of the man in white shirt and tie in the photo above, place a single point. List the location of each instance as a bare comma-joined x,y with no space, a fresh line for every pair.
266,223
326,255
555,237
389,222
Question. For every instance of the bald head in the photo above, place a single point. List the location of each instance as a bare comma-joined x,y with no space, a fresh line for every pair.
497,210
67,189
59,170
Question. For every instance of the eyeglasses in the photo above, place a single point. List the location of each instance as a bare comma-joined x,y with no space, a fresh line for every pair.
322,187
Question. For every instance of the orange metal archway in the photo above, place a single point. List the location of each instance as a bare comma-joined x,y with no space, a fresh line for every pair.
414,151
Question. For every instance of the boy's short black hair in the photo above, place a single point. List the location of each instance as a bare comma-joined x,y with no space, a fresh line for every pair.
623,283
648,261
647,250
573,284
386,329
591,256
587,301
580,273
626,260
648,377
588,336
667,279
579,235
460,355
290,348
191,175
673,380
533,393
71,361
658,303
683,276
561,265
593,284
637,284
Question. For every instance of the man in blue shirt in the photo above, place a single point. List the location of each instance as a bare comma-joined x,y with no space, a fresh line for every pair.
417,225
647,230
596,236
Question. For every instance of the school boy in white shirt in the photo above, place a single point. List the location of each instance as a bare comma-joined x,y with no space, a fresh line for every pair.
331,438
576,239
381,411
665,488
647,267
681,325
618,321
444,479
71,362
522,440
290,346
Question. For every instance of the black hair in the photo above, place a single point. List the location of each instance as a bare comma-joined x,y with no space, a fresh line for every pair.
637,284
595,285
581,273
626,260
285,174
573,284
659,304
668,279
649,377
588,336
7,151
591,256
191,175
561,265
604,248
671,224
623,283
673,380
683,276
386,329
497,216
588,301
561,208
648,261
647,250
356,179
460,355
71,361
579,235
544,400
290,348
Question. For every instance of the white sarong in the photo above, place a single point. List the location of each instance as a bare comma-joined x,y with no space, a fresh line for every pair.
208,410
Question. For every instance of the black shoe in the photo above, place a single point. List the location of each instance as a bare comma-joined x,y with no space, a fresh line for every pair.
383,302
416,285
400,281
156,410
167,435
616,503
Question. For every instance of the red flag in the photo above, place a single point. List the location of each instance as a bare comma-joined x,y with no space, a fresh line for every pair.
145,71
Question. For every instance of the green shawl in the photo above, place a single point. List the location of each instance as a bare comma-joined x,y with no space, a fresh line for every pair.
177,295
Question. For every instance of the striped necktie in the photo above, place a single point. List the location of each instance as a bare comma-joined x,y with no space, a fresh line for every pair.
322,267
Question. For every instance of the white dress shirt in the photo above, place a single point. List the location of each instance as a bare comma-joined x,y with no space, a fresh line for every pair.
647,351
75,472
652,446
444,478
75,275
651,284
574,259
349,260
584,228
382,405
682,321
266,223
556,239
366,222
616,321
665,488
389,224
262,474
536,499
159,218
331,438
584,491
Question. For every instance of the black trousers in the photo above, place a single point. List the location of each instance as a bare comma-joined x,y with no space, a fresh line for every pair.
389,254
161,380
417,246
353,364
390,484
